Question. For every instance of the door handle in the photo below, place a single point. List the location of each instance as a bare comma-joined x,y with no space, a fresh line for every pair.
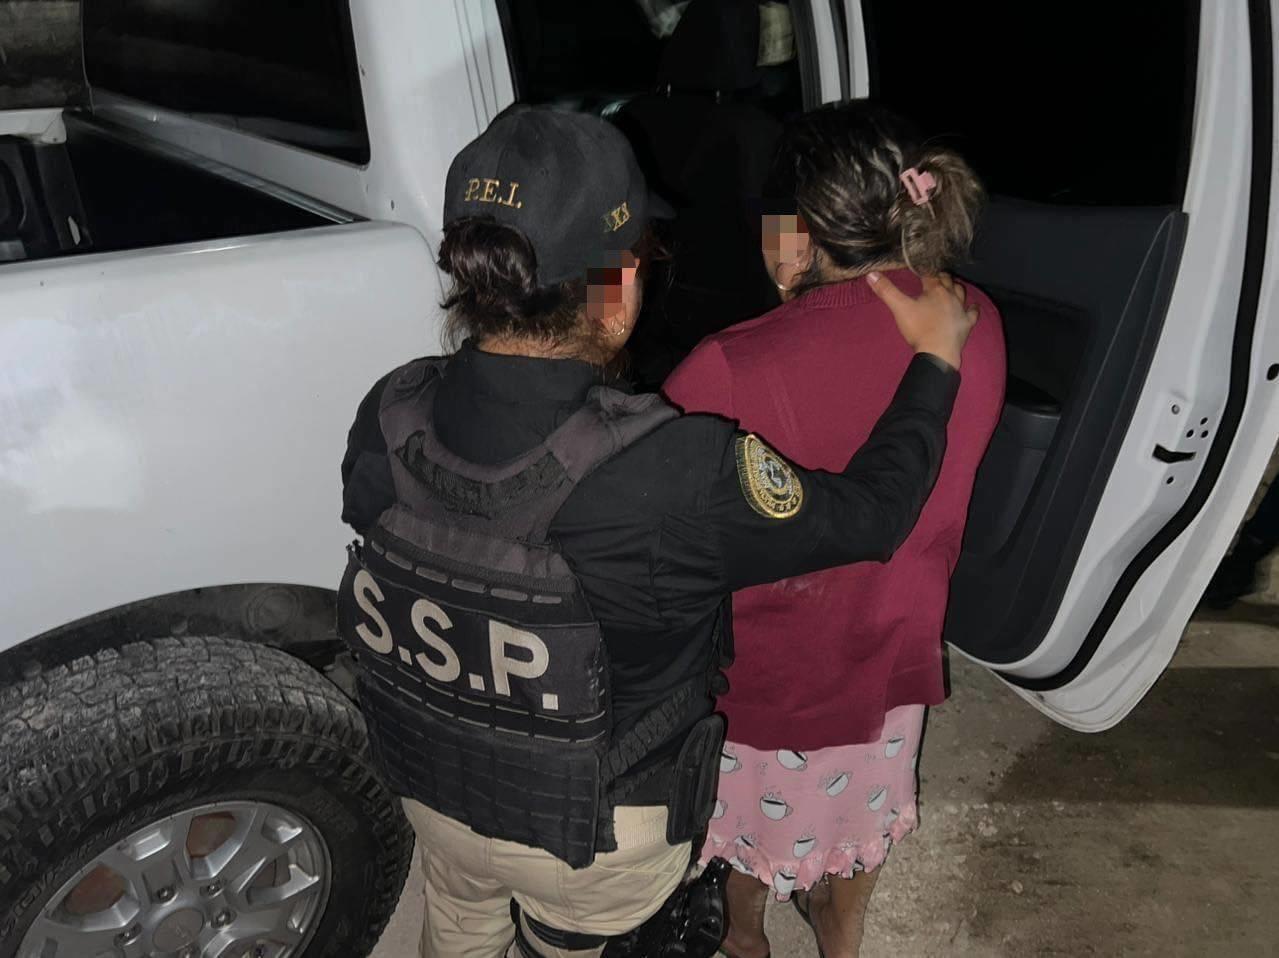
1171,455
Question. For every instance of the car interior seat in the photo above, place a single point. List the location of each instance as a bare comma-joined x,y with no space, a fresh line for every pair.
707,146
40,210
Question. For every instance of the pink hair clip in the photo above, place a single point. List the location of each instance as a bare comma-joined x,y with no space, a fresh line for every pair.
919,185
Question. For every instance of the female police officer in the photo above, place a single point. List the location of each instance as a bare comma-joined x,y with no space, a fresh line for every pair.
536,610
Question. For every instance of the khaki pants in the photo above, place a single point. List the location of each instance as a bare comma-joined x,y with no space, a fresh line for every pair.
470,881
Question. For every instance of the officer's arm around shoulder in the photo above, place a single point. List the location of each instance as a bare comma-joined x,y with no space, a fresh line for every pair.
787,521
367,489
898,465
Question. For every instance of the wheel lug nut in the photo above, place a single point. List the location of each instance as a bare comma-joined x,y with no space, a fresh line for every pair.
212,888
188,952
165,894
130,935
222,919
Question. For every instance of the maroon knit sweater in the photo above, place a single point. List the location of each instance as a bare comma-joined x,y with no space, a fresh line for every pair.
821,658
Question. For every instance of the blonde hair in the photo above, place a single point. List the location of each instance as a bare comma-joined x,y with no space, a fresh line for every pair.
846,164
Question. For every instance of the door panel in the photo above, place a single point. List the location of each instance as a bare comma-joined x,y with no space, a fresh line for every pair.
1129,288
1078,351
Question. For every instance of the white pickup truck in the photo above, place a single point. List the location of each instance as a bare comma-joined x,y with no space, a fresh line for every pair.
205,264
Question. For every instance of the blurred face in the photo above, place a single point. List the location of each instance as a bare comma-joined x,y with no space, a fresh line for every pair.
614,295
786,249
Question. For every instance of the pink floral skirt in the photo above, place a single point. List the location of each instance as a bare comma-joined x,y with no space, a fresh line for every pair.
788,818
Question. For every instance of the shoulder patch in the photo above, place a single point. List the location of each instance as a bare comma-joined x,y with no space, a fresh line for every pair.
768,482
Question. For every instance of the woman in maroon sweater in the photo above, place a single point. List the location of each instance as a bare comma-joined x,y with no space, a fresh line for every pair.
834,669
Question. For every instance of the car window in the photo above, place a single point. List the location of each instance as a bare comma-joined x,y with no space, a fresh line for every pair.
283,71
1087,103
40,62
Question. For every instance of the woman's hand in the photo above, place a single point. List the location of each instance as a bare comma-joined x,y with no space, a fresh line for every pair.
937,322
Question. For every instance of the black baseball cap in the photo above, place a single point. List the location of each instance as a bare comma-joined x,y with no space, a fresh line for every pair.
567,181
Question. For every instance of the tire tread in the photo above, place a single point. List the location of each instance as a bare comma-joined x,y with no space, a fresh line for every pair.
91,737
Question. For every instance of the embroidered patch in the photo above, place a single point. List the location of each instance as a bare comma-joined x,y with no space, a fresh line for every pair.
614,220
768,482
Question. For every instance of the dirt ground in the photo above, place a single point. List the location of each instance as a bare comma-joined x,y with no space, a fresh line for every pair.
1159,837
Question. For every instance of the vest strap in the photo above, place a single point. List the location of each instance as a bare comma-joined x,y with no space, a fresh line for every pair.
518,498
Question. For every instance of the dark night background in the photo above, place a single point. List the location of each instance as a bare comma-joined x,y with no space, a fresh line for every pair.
40,53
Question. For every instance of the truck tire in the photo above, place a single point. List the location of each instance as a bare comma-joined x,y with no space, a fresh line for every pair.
191,798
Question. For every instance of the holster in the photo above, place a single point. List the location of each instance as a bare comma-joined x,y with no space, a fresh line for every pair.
691,923
693,781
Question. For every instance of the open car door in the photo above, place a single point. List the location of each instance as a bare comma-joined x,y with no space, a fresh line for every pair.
1129,160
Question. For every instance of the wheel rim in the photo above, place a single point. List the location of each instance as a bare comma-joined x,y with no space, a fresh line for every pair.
224,880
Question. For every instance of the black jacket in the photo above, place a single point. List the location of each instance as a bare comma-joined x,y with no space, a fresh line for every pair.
663,532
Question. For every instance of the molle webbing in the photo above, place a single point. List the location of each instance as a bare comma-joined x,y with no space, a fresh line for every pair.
482,669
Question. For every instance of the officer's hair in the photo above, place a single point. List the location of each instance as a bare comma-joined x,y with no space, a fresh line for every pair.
495,290
845,163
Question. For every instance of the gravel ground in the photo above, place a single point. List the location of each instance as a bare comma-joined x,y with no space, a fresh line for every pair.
1159,837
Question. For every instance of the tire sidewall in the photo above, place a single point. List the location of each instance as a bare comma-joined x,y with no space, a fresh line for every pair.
309,760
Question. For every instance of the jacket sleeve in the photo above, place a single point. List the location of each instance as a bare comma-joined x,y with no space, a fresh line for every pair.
864,512
367,488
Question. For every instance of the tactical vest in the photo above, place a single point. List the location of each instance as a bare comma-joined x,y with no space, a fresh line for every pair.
481,669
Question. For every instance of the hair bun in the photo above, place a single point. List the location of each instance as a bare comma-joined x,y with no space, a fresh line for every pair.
495,290
872,196
493,259
938,232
